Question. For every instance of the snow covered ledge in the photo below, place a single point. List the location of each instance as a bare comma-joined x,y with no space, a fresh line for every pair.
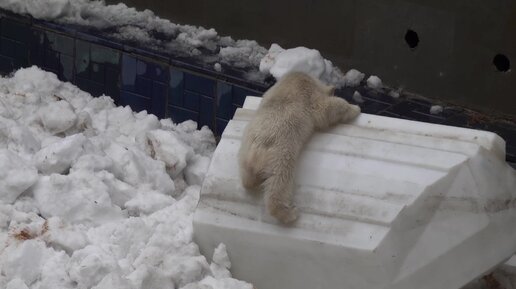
385,203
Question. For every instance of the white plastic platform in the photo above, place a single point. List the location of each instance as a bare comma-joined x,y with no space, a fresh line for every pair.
384,203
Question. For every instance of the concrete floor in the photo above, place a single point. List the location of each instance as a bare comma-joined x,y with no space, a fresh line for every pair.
445,50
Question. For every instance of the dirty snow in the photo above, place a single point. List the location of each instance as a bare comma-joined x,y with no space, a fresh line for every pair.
98,196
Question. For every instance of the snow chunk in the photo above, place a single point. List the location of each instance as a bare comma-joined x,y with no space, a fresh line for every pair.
220,262
148,202
16,284
57,117
196,170
357,97
64,236
16,176
374,82
394,93
77,197
167,147
217,67
24,260
436,109
59,156
89,265
279,62
353,78
136,168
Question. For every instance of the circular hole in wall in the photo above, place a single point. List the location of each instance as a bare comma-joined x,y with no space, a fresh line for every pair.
502,63
411,38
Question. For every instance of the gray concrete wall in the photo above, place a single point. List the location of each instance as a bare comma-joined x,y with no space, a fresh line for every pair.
453,60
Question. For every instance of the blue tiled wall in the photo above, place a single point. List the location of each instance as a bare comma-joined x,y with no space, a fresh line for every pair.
144,85
14,44
131,76
53,52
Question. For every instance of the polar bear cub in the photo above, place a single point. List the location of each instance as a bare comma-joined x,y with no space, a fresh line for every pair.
291,110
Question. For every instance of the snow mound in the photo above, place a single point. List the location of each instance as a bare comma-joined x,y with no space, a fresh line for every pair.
98,196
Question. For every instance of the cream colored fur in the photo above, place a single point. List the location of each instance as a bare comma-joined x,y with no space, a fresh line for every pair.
289,113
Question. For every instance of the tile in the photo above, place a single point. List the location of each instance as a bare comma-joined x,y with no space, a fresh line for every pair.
6,64
94,88
97,72
159,99
60,43
199,84
178,114
176,85
66,67
102,54
206,112
14,30
224,100
135,101
128,72
51,60
239,95
82,59
191,100
220,126
143,86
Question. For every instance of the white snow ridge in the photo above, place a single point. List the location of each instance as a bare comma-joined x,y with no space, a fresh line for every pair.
98,196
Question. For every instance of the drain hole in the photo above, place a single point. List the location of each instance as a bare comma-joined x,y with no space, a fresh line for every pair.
502,63
411,38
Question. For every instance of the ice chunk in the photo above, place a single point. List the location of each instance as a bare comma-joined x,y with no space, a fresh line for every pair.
16,284
59,156
89,265
148,202
24,260
357,97
167,147
374,82
220,262
58,116
436,109
196,170
353,78
77,197
16,176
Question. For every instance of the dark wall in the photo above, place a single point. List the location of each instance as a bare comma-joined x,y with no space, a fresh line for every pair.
452,61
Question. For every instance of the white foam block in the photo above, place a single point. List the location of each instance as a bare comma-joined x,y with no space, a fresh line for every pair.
384,203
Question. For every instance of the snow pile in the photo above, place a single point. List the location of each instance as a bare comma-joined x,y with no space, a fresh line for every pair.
145,28
98,196
279,61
